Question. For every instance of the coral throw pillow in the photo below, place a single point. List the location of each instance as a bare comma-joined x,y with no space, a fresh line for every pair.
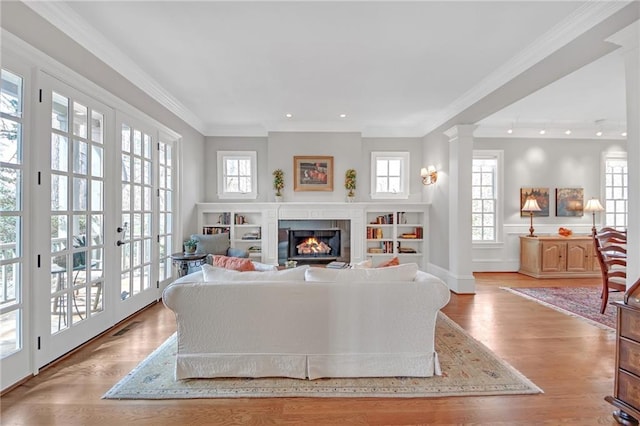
234,263
392,262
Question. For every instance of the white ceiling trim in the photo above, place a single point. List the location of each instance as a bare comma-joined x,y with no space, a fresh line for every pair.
69,22
583,19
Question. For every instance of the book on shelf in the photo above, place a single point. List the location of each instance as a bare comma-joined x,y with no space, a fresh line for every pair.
337,265
209,230
251,236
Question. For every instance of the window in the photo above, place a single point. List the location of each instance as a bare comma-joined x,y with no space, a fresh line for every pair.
237,177
389,175
615,191
484,196
11,212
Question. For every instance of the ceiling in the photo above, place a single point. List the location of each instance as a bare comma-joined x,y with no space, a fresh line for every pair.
393,68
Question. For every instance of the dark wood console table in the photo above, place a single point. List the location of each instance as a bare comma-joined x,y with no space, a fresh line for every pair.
626,391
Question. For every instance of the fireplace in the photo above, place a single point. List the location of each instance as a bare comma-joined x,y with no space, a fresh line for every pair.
314,245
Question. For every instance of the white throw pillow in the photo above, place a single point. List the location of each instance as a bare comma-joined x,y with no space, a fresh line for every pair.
263,266
404,272
211,273
363,265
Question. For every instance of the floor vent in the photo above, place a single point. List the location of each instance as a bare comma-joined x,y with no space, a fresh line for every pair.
127,328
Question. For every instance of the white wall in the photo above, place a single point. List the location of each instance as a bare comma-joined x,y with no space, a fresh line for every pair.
547,163
349,150
436,152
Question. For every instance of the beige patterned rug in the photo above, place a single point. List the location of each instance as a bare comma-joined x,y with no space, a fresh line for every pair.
469,368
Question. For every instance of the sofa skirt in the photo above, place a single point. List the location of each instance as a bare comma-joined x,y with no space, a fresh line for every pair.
300,366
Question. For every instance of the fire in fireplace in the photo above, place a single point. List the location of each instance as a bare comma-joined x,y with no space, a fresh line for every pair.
314,245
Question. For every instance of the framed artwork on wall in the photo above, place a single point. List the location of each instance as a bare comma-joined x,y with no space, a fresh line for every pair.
312,173
542,197
569,201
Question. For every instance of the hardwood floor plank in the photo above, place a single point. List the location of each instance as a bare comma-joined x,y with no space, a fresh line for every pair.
572,361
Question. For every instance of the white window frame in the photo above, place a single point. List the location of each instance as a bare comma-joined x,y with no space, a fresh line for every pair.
223,191
497,155
608,202
403,194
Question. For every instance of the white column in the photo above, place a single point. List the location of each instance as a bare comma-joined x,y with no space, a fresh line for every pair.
629,38
460,278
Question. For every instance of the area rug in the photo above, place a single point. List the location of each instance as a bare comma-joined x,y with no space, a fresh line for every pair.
469,368
579,302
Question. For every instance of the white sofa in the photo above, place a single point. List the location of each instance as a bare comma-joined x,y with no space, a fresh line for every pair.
307,322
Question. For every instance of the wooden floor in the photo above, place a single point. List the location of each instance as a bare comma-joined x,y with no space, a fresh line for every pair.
572,361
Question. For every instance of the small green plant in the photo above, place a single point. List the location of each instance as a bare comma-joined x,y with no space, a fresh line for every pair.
278,181
190,245
350,182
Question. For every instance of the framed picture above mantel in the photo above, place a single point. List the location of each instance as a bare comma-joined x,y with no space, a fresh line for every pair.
312,173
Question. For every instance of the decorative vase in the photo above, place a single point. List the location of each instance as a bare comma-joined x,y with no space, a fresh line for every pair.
279,198
189,250
351,198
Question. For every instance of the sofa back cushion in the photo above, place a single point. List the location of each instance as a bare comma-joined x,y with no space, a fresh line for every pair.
211,273
212,244
405,272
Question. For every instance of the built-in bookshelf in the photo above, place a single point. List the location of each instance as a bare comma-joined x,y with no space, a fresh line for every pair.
395,233
243,226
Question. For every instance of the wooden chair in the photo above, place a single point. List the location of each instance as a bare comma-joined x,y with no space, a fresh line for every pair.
612,256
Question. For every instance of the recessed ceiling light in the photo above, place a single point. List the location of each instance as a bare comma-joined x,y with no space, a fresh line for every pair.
598,133
510,131
623,134
343,115
542,132
567,132
288,115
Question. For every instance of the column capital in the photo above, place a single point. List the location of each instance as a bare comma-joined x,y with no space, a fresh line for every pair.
461,130
628,38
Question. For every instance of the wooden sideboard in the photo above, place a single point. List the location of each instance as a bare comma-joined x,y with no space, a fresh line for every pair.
626,389
627,376
554,256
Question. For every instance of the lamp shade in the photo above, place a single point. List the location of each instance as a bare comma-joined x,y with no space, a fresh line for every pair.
531,205
593,205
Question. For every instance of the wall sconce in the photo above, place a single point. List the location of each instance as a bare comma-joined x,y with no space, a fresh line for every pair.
429,176
593,206
531,205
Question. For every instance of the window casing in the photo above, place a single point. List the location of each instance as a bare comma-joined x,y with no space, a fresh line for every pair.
616,191
485,198
237,175
389,175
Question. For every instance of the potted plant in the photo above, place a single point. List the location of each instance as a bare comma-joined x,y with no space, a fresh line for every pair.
190,246
350,183
278,183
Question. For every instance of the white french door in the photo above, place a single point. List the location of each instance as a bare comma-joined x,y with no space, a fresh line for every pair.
138,237
75,275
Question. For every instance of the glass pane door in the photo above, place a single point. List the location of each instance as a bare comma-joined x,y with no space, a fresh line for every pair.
138,283
74,176
77,212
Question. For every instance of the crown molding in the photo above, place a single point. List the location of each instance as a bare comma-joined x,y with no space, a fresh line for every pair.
574,25
73,25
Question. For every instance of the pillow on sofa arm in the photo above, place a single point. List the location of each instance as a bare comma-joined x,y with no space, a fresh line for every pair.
212,244
217,244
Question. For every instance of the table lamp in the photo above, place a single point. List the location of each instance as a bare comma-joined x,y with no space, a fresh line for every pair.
593,206
531,205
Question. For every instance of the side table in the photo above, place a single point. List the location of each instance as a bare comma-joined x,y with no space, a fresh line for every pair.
184,261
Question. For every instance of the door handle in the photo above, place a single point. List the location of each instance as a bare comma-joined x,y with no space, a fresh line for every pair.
119,243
